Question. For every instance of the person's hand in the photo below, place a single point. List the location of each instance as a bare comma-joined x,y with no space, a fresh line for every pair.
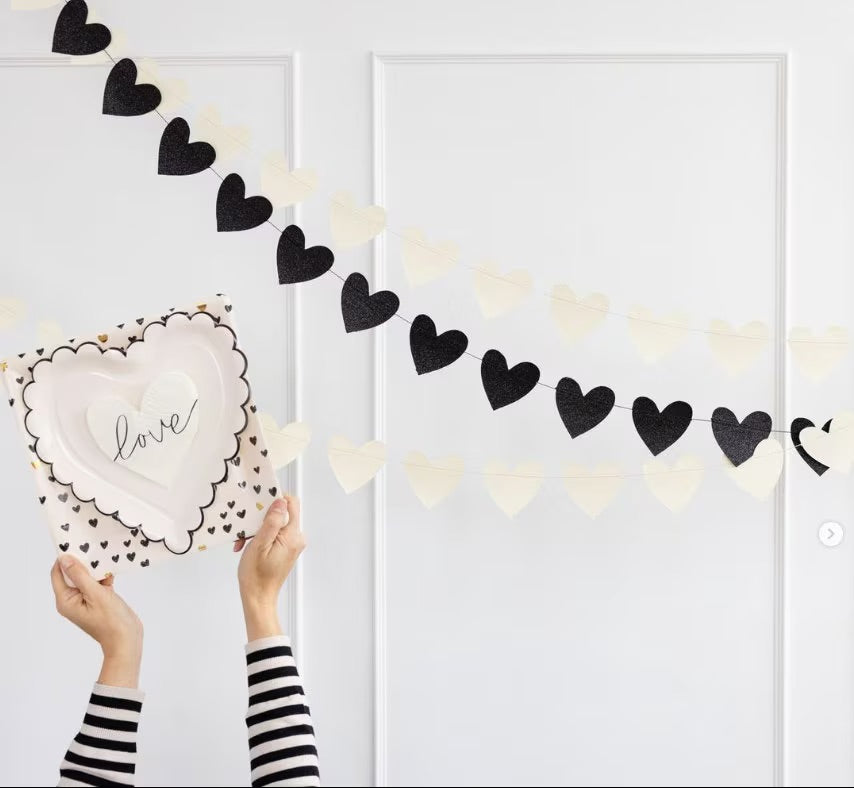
265,564
103,615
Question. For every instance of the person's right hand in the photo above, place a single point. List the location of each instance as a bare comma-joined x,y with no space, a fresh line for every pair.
266,562
103,615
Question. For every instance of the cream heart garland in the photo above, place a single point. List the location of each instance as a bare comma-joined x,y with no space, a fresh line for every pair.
498,293
674,485
352,225
592,490
354,466
282,185
758,475
656,336
424,262
736,349
12,310
432,482
227,141
513,489
835,448
575,318
284,444
816,355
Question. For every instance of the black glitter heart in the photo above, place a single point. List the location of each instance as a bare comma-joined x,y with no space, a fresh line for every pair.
581,412
235,211
503,385
660,430
739,439
432,351
295,263
179,156
123,97
363,310
72,36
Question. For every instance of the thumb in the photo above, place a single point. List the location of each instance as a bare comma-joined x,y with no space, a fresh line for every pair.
275,519
77,573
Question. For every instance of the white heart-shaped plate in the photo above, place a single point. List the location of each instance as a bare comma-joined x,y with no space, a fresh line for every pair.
167,454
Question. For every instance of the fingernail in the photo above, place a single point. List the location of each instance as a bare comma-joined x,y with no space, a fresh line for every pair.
66,562
279,506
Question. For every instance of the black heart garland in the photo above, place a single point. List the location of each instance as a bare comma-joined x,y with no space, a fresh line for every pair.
179,156
581,412
505,386
799,424
73,36
295,263
660,429
362,310
432,351
235,211
739,439
123,97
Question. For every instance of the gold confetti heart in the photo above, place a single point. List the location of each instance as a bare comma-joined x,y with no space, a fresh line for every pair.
203,547
3,366
259,506
102,337
201,307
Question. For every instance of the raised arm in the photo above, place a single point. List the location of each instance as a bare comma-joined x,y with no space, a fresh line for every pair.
104,751
282,749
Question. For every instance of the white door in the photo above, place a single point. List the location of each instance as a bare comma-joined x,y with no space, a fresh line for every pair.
692,157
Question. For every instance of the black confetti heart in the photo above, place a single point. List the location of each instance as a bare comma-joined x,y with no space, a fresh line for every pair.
130,556
126,543
19,381
242,513
115,558
257,488
253,440
122,96
104,545
42,498
295,263
95,563
179,156
257,469
230,504
140,321
273,491
11,403
65,526
799,424
134,531
75,508
505,386
242,485
241,534
211,529
144,542
659,430
93,522
63,497
223,515
40,351
145,562
236,461
63,546
228,307
738,440
84,548
72,36
362,310
581,412
235,211
263,452
253,408
432,351
227,527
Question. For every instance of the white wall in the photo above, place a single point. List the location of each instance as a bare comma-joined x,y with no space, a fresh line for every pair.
608,145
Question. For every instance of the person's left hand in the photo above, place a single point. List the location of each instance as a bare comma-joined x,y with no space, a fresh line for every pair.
103,615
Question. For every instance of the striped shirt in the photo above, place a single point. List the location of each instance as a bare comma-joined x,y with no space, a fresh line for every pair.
281,737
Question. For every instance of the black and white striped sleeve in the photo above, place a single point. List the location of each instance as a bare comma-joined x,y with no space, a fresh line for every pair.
104,752
281,737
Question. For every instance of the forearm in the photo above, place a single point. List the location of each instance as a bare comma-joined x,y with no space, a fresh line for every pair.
105,747
282,748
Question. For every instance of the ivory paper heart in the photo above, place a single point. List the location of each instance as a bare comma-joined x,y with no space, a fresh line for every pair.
11,311
592,490
497,293
736,349
656,336
576,318
352,225
354,466
817,355
174,91
228,141
758,475
834,448
432,482
286,443
153,440
674,485
283,186
73,380
423,261
513,489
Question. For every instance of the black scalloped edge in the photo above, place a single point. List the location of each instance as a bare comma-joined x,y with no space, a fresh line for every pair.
124,352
